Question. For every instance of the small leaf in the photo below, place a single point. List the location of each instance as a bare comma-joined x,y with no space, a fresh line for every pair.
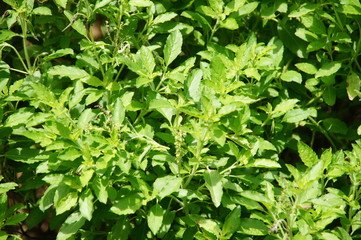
329,95
6,35
101,4
59,53
283,107
42,11
291,76
214,184
61,3
118,113
193,84
84,119
265,163
140,3
165,17
247,8
5,187
335,125
307,155
155,218
47,199
173,47
306,67
298,115
77,24
353,85
128,204
165,186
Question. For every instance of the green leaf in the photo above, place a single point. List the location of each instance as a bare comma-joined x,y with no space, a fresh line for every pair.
86,204
214,184
71,72
165,17
173,47
253,227
329,95
59,53
15,219
229,23
193,84
307,155
165,186
306,67
4,75
328,69
232,222
335,125
128,204
256,196
6,35
71,226
353,85
283,107
42,11
20,117
77,24
291,76
64,199
302,10
101,4
100,190
155,218
47,199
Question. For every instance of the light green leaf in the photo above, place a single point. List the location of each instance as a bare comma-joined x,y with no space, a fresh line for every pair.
155,218
165,17
61,3
20,117
147,59
229,23
100,190
86,116
71,226
71,72
307,155
248,8
283,107
214,184
291,76
193,84
173,47
256,196
232,222
306,67
15,219
353,85
64,199
47,199
298,115
42,11
303,10
140,3
101,4
165,186
233,6
118,113
86,204
265,163
328,69
128,204
4,187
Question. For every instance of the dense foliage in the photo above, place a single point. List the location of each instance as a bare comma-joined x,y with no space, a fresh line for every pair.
180,119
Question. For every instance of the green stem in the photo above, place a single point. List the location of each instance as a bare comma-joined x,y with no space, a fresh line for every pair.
24,28
323,131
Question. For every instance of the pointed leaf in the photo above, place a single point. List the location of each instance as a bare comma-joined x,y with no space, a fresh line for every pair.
155,218
165,186
308,156
173,47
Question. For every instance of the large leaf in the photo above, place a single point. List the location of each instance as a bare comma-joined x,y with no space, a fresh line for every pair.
214,184
165,186
128,204
71,72
71,226
86,204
